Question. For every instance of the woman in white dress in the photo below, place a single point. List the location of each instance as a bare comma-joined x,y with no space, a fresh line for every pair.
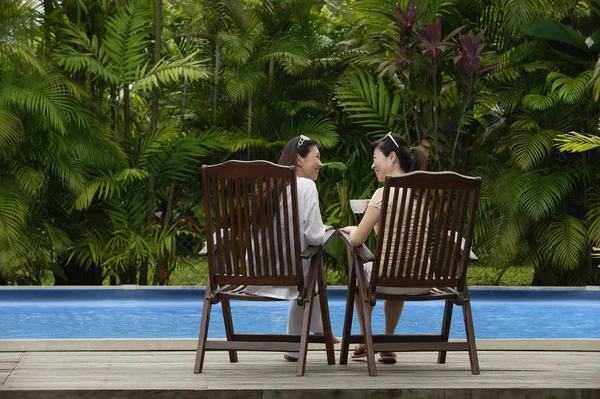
305,155
392,156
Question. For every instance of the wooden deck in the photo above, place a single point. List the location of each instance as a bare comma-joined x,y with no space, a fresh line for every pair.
168,374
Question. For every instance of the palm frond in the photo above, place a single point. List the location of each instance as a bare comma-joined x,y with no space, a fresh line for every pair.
11,133
593,216
544,193
576,142
564,240
14,211
242,83
239,141
292,107
519,13
540,102
171,70
570,90
10,52
369,102
126,40
54,100
30,180
320,129
529,149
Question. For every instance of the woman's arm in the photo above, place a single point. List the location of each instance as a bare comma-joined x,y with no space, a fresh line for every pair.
360,233
314,229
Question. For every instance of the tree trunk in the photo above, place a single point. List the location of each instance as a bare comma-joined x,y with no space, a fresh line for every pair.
215,94
143,279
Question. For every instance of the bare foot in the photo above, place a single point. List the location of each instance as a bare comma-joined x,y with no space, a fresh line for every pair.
334,338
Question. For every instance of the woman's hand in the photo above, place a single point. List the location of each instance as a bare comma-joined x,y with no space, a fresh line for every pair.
327,228
348,229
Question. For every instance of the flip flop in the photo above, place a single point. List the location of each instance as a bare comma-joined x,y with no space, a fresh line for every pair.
387,357
359,352
290,358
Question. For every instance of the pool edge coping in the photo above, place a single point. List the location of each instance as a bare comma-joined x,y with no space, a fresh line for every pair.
189,344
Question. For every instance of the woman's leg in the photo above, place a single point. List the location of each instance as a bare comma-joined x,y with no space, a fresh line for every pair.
295,323
392,311
295,318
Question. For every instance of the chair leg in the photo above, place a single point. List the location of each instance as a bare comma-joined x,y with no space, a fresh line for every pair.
470,332
205,320
446,322
362,296
306,314
228,321
327,332
348,315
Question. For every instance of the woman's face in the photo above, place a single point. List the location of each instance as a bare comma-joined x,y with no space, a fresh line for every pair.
383,166
310,165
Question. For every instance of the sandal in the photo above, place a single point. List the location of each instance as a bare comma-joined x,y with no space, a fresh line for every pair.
359,351
387,357
290,358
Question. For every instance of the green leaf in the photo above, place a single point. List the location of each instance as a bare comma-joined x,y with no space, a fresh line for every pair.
552,29
530,149
564,240
368,102
11,133
321,129
576,142
543,194
570,90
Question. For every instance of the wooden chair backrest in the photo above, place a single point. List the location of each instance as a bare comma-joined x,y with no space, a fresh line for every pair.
419,240
251,221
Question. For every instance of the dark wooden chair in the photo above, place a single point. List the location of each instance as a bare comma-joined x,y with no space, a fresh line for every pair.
253,239
441,209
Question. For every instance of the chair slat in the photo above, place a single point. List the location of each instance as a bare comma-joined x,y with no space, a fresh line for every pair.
233,211
419,223
218,228
286,224
451,231
459,233
279,242
247,233
255,241
269,226
239,227
387,268
264,260
408,220
226,232
427,272
437,236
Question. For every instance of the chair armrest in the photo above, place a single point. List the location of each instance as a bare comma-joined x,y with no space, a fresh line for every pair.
472,256
204,250
362,251
312,250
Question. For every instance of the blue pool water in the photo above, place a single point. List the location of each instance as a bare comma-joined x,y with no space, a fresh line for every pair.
175,313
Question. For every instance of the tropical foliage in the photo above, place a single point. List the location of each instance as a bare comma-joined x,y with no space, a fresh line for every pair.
108,109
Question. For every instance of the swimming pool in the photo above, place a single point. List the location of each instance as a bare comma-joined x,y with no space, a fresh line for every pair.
44,313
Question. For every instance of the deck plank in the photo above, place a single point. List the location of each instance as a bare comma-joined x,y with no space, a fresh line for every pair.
8,362
575,373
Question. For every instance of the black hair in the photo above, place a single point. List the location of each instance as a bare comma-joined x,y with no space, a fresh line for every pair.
409,159
291,149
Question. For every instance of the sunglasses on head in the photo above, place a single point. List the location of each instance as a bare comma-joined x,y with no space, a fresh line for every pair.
302,139
391,137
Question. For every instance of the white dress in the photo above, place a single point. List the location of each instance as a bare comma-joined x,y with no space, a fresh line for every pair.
312,232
